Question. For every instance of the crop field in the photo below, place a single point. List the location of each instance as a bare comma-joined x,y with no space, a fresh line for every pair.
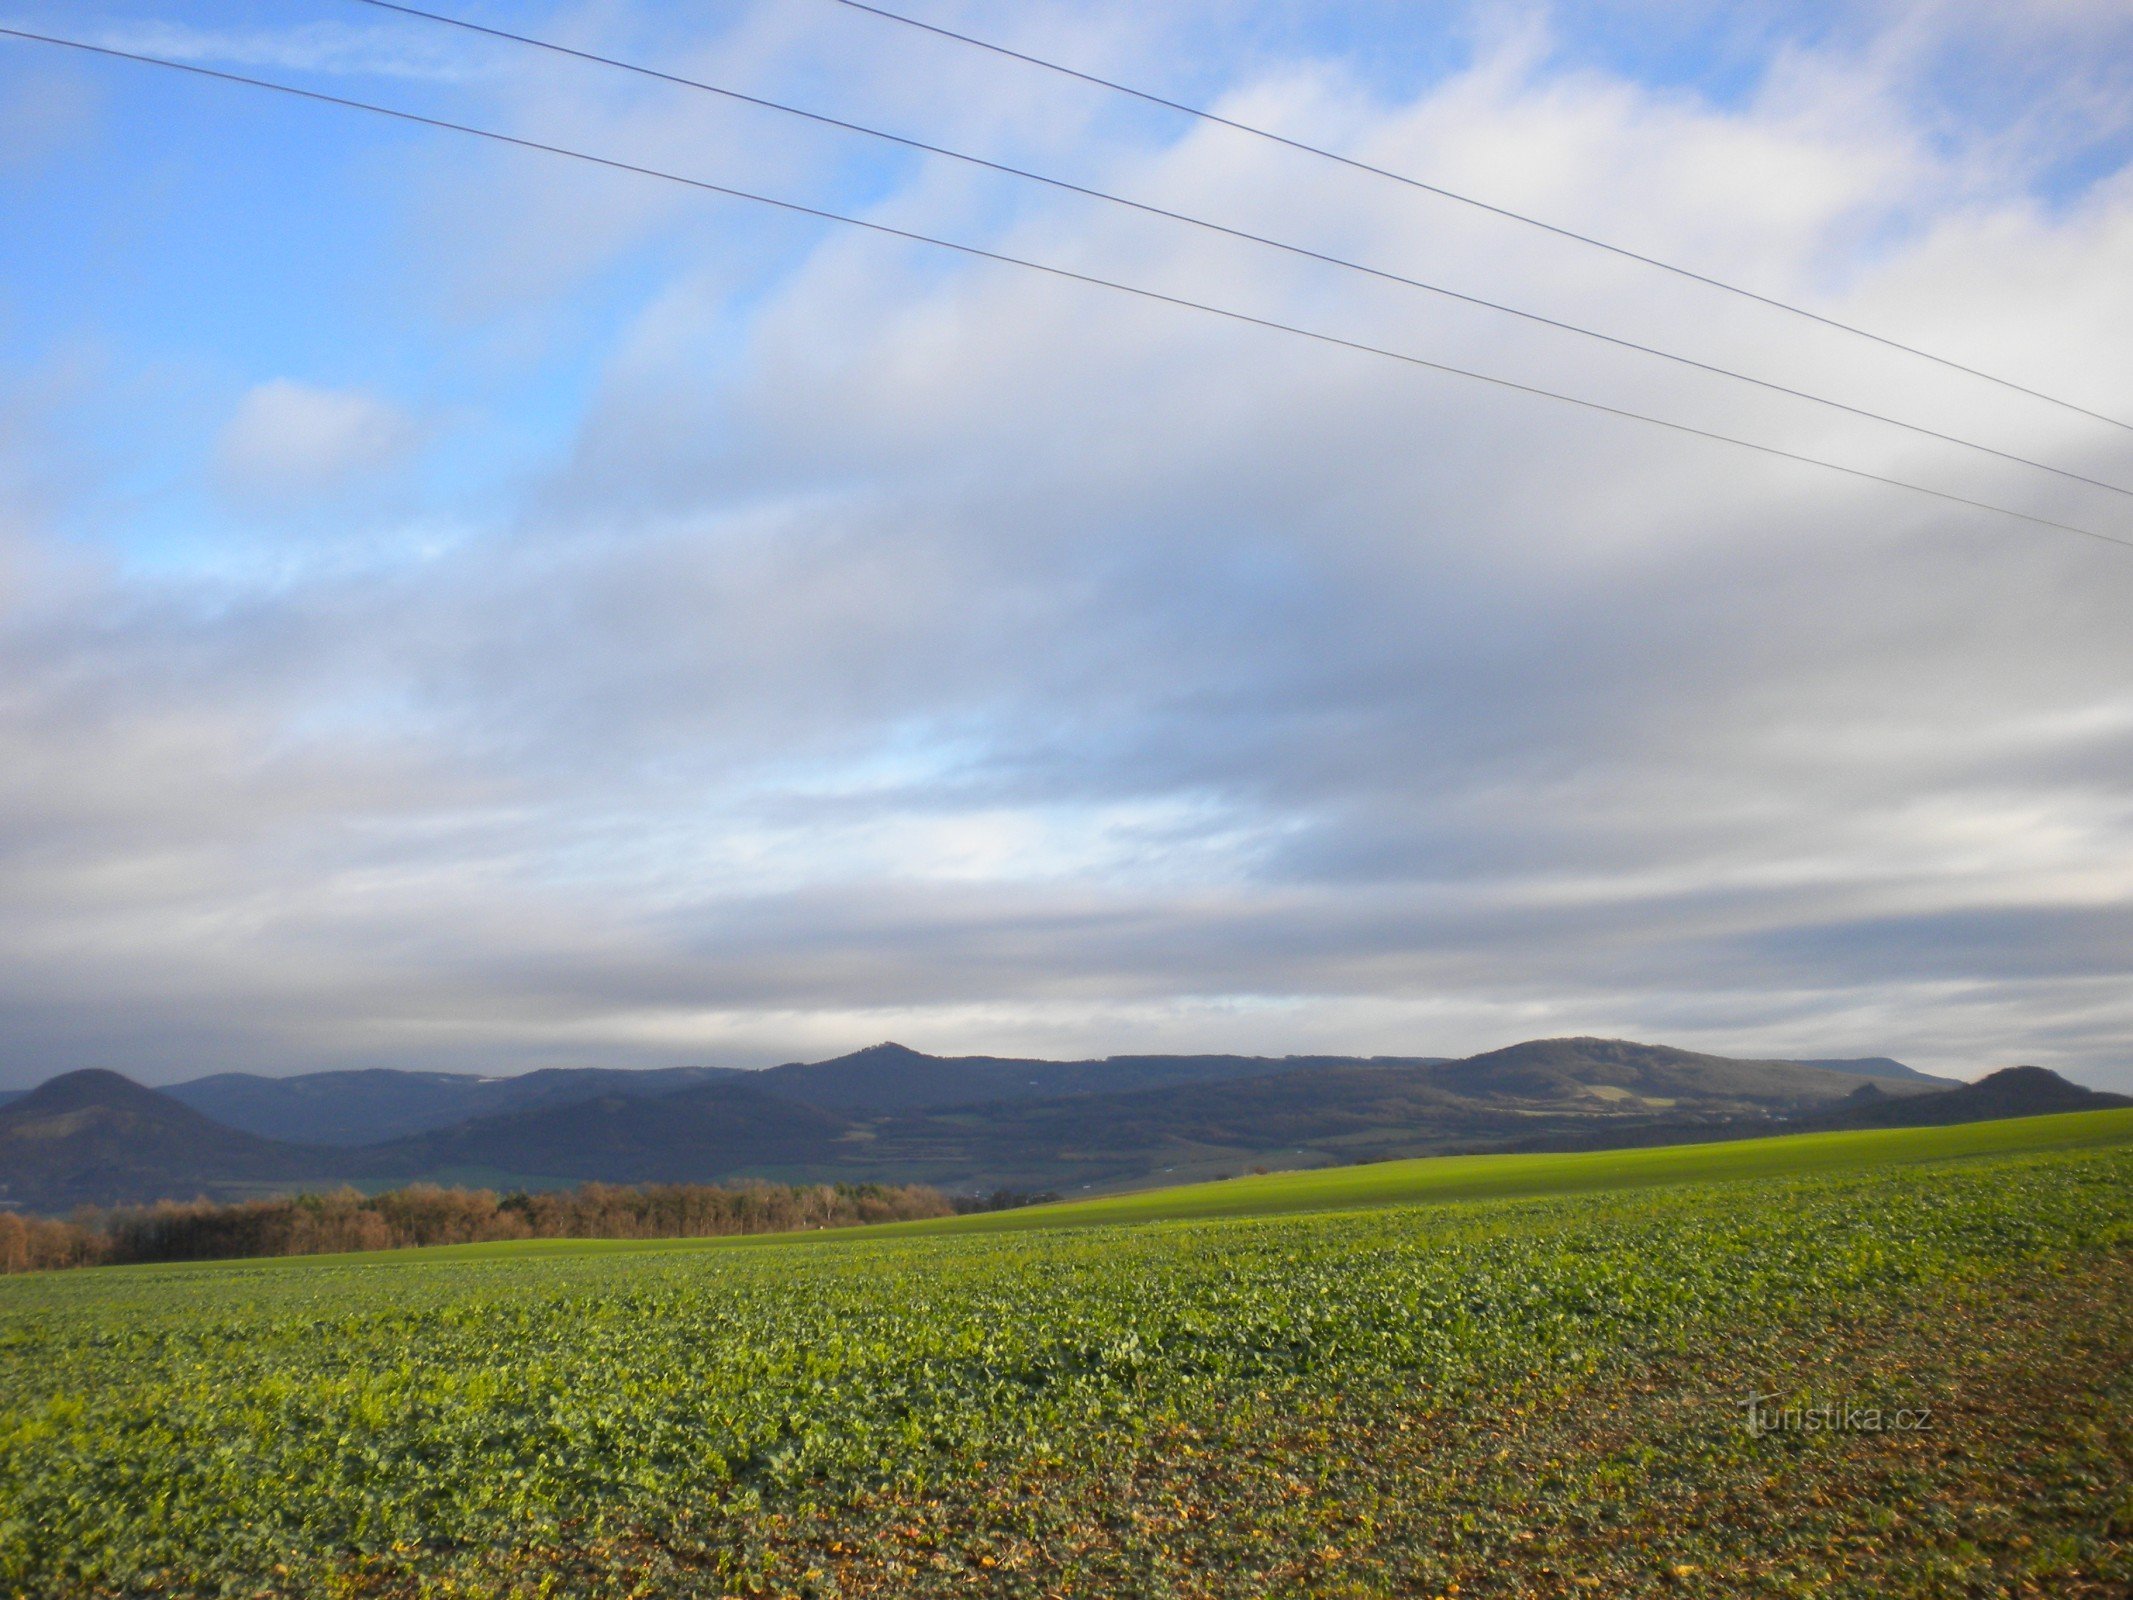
1438,1179
1516,1396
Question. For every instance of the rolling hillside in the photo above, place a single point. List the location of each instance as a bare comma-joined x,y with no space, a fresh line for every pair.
1307,1384
712,1130
965,1124
2010,1092
1441,1180
96,1138
365,1107
1880,1067
891,1077
1557,1091
1616,1072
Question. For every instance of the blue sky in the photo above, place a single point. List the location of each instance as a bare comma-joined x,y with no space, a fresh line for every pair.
463,609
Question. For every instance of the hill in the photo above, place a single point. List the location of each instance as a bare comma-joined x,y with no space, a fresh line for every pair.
971,1123
1619,1072
2010,1092
695,1135
1329,1112
1436,1180
892,1077
967,1123
380,1103
1536,1392
96,1138
1881,1067
376,1104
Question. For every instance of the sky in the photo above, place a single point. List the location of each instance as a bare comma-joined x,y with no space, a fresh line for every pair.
462,608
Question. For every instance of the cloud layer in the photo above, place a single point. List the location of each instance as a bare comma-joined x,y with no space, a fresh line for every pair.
892,646
293,442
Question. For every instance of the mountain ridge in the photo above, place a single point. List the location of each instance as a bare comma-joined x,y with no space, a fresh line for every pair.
889,1113
713,1129
367,1105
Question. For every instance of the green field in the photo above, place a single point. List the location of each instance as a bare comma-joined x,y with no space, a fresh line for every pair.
1535,1391
1438,1179
1441,1180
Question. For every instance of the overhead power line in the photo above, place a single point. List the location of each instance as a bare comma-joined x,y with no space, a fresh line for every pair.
1302,251
1506,212
797,208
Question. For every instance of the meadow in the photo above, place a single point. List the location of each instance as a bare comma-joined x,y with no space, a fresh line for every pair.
1460,1378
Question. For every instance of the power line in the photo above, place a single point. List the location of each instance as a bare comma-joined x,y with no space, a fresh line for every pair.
1479,204
1067,273
1303,251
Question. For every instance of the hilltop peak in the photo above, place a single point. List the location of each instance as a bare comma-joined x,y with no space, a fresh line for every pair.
2019,1090
887,1053
98,1138
2025,1077
2010,1092
89,1086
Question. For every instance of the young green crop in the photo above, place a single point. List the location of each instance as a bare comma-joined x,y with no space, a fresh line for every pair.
388,1423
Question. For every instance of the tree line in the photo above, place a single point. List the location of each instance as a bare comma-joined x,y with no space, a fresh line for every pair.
425,1214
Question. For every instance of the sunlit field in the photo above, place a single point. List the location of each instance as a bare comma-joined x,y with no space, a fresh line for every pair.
1543,1395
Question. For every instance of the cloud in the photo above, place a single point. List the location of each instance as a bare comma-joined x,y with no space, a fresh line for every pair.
896,646
289,441
334,48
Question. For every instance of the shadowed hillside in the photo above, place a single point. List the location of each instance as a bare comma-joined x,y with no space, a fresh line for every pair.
96,1138
966,1124
891,1077
1881,1067
722,1129
1618,1072
1569,1091
365,1107
2010,1092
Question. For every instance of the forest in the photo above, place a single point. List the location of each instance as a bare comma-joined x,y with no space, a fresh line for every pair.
427,1214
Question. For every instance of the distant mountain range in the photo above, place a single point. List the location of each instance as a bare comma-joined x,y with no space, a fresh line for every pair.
358,1108
964,1122
354,1108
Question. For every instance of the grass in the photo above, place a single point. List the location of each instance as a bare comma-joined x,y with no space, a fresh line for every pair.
1436,1180
1532,1395
1429,1180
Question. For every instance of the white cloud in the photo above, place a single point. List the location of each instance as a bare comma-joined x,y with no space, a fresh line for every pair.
341,49
945,652
292,441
